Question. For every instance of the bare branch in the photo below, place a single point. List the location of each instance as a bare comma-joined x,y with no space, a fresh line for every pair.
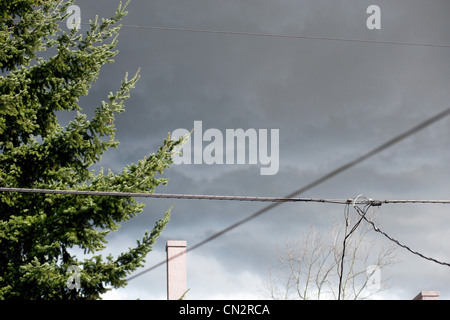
309,267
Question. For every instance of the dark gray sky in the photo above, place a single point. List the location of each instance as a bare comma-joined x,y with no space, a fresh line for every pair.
331,101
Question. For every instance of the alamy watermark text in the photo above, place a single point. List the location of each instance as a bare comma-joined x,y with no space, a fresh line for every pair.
230,148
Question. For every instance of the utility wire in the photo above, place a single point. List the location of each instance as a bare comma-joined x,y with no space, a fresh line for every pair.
362,213
174,196
219,197
291,36
307,187
344,242
313,184
271,35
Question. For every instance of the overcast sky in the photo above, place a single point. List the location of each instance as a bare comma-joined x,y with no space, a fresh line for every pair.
330,100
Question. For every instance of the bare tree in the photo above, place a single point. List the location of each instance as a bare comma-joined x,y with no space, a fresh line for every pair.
313,266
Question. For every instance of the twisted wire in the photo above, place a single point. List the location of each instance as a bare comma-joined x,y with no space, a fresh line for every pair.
362,213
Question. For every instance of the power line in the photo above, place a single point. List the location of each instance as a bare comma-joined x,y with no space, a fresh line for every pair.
362,216
313,184
362,213
347,235
173,195
417,201
271,35
291,36
219,197
307,187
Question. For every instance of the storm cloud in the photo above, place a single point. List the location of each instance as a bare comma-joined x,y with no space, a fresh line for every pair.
331,101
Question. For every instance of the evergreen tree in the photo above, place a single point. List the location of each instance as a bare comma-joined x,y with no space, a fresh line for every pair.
37,231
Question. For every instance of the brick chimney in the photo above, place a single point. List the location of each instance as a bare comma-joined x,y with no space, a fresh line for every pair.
176,269
427,295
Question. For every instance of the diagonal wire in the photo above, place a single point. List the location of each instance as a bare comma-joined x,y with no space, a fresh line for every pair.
291,36
362,213
267,35
313,184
